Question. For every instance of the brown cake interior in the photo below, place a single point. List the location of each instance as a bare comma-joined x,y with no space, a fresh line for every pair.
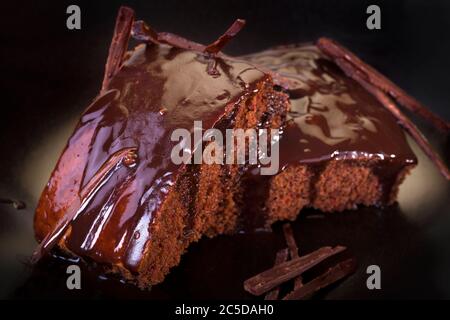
336,186
214,205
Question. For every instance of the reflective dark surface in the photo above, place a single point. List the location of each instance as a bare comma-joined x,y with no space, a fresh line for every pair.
51,74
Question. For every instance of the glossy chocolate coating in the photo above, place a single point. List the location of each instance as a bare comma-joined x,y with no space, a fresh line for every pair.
159,89
331,116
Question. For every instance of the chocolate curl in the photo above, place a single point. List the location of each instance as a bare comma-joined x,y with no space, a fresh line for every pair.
281,257
123,156
143,32
333,274
220,43
369,74
390,105
119,44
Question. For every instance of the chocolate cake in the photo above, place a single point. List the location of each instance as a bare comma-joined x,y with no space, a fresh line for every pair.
116,198
340,147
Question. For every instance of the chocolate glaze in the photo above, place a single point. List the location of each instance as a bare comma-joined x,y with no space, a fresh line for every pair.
331,116
158,89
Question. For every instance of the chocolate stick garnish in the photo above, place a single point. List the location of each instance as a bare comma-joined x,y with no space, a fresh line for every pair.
269,279
17,204
143,32
281,257
293,249
369,74
122,157
220,43
407,124
333,274
119,44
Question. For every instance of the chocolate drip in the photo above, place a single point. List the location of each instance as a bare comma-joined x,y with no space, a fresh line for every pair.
387,175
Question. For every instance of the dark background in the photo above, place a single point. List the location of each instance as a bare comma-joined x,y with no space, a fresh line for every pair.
49,75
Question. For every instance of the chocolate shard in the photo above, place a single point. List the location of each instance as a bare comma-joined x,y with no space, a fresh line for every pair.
333,274
17,204
404,121
281,257
220,43
119,44
293,249
374,77
143,32
269,279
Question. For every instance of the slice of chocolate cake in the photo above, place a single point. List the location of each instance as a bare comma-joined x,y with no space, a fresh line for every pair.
340,147
117,198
